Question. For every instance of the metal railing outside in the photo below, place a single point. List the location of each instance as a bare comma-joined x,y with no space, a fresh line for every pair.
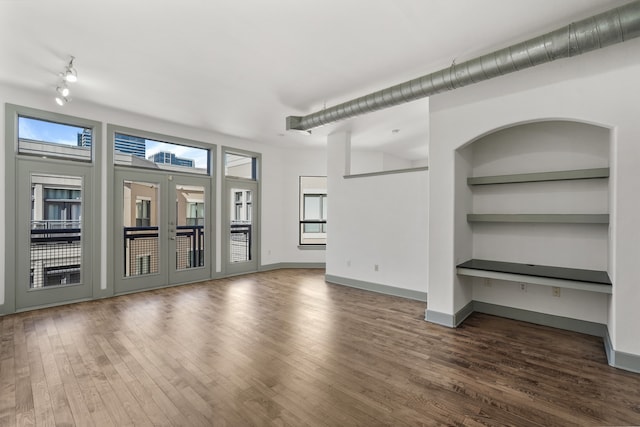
55,253
141,249
240,241
189,246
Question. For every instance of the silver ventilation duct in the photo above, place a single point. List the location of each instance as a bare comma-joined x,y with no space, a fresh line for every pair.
605,29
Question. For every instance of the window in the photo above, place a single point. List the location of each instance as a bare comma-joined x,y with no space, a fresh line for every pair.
51,139
313,210
238,206
240,166
242,206
143,264
143,213
62,275
136,151
195,213
248,205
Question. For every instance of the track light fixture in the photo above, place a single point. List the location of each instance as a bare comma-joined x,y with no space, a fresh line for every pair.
70,74
63,89
61,100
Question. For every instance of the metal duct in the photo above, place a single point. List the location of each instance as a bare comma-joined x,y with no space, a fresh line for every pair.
605,29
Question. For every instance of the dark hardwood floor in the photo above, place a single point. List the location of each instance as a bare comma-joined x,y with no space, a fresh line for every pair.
284,348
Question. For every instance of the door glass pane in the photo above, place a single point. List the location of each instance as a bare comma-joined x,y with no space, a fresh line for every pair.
56,230
241,225
140,221
190,213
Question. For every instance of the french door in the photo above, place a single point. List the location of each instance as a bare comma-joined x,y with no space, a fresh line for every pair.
163,229
54,222
241,243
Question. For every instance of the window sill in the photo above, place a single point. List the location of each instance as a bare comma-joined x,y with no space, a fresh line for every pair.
312,247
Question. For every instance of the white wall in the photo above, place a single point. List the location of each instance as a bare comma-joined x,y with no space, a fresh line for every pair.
296,163
376,220
280,171
600,87
378,161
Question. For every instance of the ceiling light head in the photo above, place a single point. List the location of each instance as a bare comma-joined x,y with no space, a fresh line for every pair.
61,100
70,73
63,90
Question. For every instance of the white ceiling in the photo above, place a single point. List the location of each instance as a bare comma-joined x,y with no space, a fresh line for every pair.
241,66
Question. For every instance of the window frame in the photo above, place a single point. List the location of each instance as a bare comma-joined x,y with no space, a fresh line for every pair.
302,221
58,119
113,129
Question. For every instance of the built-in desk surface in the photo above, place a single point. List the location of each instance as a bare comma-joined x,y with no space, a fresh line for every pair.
575,278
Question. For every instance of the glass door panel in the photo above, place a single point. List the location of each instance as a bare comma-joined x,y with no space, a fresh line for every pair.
190,226
53,252
241,237
140,215
241,226
189,229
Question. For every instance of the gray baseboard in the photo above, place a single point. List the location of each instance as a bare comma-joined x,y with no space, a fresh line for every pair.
451,321
617,359
442,319
566,323
281,265
376,287
464,312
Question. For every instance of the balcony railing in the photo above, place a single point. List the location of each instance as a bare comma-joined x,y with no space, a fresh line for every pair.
189,246
55,253
48,224
240,242
141,249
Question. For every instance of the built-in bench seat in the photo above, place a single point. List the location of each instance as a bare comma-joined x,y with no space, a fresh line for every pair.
573,278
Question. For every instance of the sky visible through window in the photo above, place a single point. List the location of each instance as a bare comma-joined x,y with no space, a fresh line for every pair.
41,130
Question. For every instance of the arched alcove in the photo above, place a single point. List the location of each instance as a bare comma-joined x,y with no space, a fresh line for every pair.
536,195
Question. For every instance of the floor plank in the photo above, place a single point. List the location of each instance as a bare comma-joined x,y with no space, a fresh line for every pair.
284,348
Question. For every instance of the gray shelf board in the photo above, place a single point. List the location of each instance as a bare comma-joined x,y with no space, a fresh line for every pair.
541,218
540,176
572,278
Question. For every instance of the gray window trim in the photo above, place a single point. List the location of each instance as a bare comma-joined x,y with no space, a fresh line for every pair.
230,150
227,184
12,112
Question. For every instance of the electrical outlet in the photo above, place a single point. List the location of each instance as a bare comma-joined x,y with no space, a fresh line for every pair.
523,287
348,263
375,267
556,291
486,282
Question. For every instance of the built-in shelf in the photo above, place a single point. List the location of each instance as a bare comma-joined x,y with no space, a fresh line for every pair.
541,218
540,176
572,278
